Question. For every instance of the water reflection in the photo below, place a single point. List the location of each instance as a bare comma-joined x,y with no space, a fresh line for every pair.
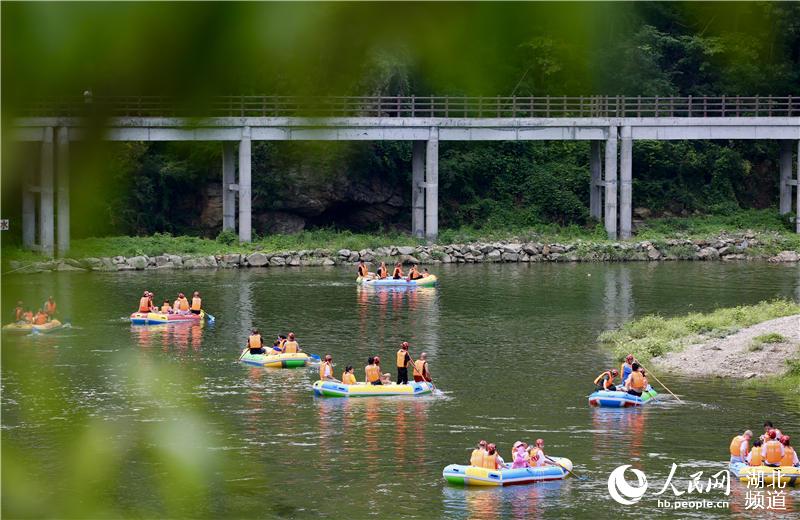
618,296
618,429
184,337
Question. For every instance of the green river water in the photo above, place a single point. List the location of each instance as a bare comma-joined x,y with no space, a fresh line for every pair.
107,419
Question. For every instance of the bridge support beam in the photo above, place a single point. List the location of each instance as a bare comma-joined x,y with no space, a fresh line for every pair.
228,194
46,210
28,217
432,186
245,218
625,183
62,173
596,182
797,192
418,189
611,183
785,187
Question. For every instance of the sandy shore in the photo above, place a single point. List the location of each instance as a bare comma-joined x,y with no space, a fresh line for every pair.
733,356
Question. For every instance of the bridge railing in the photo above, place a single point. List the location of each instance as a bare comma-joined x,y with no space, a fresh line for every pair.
422,106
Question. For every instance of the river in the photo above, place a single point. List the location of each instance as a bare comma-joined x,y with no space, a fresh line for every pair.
107,419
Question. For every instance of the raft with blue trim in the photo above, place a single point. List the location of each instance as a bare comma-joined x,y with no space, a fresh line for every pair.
296,360
789,475
30,328
621,398
475,476
335,389
159,318
428,281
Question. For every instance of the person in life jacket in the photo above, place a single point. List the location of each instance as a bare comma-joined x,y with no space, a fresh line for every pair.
740,446
767,427
397,274
372,372
425,273
772,451
349,376
605,381
413,274
290,346
27,316
181,304
255,343
519,456
144,302
789,455
197,303
363,271
41,318
626,368
19,310
386,378
421,370
492,459
382,271
50,307
537,456
476,458
635,384
754,457
326,369
403,360
166,308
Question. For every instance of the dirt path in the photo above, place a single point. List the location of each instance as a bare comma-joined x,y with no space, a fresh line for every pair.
735,355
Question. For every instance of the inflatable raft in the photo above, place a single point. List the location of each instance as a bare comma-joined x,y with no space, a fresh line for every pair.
475,476
334,389
789,475
297,360
158,318
29,328
428,281
621,399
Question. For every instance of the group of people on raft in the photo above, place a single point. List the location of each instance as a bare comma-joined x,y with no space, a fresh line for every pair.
373,375
181,304
633,380
397,274
772,448
44,314
282,345
522,456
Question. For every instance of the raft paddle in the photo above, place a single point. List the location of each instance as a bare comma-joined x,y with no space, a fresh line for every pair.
210,318
565,468
659,382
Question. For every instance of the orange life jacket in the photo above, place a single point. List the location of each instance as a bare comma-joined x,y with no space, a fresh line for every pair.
372,372
637,381
736,445
607,382
420,369
322,369
476,459
490,461
255,341
398,272
183,304
401,358
18,313
144,304
290,347
348,379
41,318
382,273
50,308
773,452
27,316
363,271
755,456
196,302
788,456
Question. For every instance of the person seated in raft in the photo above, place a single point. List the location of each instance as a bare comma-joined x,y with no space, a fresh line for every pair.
197,303
634,385
537,456
372,372
349,376
181,305
144,302
772,451
255,343
421,370
281,340
397,274
363,271
19,311
789,455
626,368
50,307
520,457
425,273
476,458
27,316
290,346
754,457
740,446
414,274
41,318
166,308
382,271
326,369
492,459
605,381
767,427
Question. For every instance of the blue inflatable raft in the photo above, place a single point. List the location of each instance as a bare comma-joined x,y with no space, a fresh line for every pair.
474,476
621,399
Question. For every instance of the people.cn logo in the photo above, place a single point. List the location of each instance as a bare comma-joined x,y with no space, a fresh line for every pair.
622,492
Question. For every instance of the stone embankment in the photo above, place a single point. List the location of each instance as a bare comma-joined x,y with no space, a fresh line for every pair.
725,248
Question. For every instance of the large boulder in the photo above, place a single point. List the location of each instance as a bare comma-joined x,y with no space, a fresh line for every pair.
785,256
137,262
257,259
405,250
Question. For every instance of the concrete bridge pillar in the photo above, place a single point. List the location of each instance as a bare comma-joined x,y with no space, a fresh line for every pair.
626,183
611,183
245,230
46,210
432,186
596,183
418,189
785,186
797,191
228,187
62,172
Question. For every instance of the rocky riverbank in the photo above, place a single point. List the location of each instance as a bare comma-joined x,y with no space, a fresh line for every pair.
724,247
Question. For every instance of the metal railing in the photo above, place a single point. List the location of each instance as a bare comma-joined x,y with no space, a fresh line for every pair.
424,106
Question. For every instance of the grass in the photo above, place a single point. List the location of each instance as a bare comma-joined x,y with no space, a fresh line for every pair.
759,341
655,335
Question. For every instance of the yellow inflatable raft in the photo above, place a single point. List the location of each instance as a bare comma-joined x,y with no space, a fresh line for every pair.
788,475
28,328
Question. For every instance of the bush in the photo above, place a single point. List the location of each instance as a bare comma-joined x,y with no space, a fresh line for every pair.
227,237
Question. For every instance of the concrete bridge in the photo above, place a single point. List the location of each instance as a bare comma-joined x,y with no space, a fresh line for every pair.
610,124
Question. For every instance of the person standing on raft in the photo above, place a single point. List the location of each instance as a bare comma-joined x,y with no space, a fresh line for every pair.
50,307
605,381
403,360
626,368
421,370
197,303
326,369
255,343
